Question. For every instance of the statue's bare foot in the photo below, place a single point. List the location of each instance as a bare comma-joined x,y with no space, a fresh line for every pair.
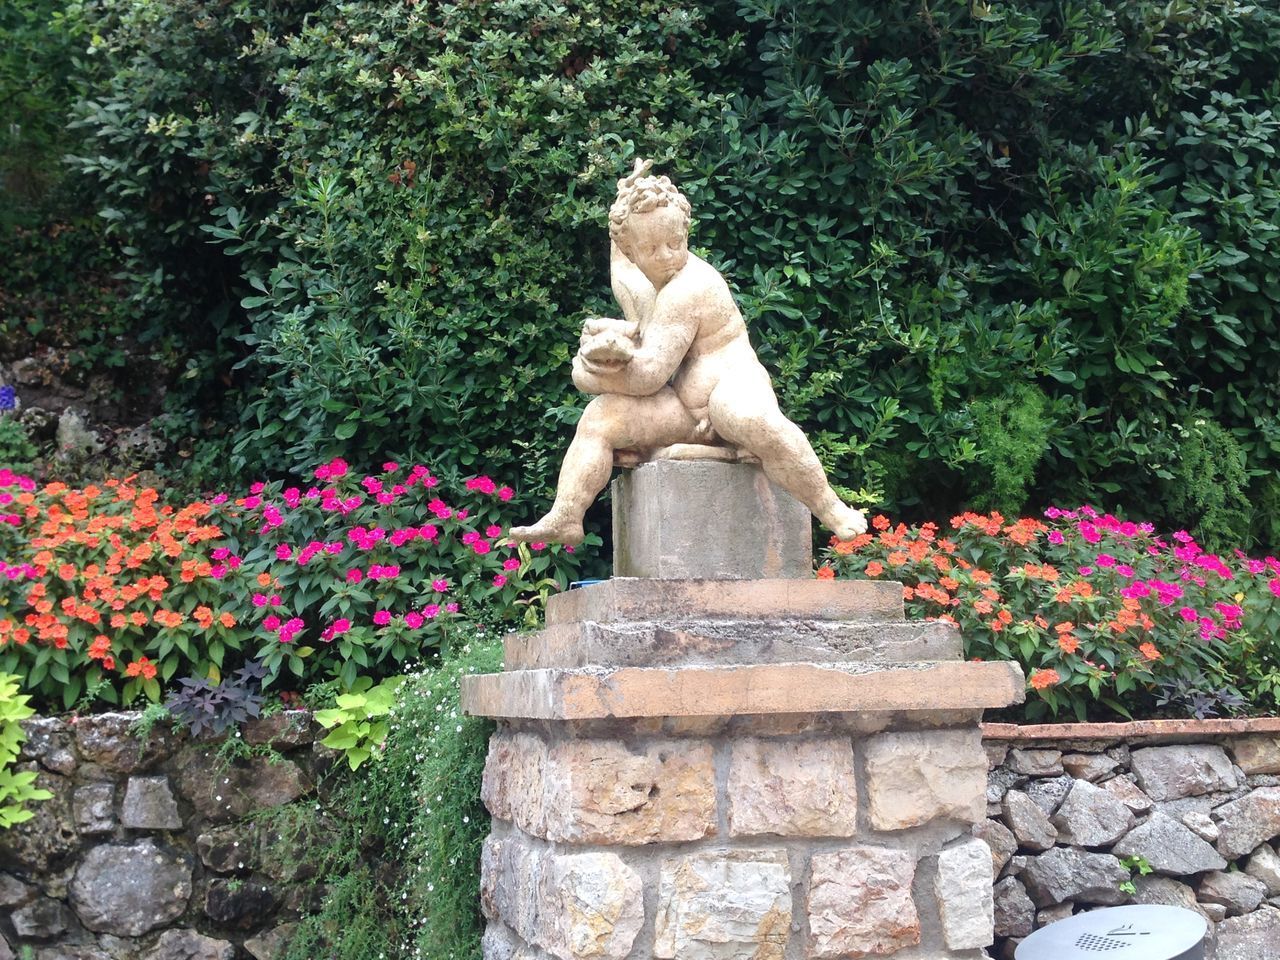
552,529
846,522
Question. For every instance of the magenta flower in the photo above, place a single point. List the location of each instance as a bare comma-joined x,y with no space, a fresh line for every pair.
440,586
493,530
271,622
499,580
505,494
481,547
382,617
431,611
390,467
451,608
511,563
355,575
413,619
1056,537
284,552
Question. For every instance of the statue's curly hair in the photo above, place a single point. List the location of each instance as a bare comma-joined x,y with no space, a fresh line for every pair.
640,194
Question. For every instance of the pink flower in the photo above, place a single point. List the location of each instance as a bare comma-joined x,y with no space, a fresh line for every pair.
1189,614
440,586
462,514
451,608
1124,570
272,622
259,599
505,493
537,545
1183,537
234,562
493,530
251,502
221,553
413,619
341,625
1090,533
355,575
390,467
220,498
274,600
1085,571
1056,537
428,532
499,581
431,611
284,552
257,487
482,483
470,537
481,547
1274,586
382,617
372,484
1106,560
511,563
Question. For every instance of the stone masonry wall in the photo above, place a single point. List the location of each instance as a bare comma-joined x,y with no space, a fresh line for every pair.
153,849
819,836
1202,812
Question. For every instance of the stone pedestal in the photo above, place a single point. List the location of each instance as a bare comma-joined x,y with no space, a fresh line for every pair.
702,519
772,769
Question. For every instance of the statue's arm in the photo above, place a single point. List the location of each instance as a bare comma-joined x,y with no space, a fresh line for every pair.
666,341
631,288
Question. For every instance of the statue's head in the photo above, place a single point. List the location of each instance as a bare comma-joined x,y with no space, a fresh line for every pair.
649,221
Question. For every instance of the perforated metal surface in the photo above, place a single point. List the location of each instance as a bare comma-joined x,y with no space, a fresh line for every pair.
1140,932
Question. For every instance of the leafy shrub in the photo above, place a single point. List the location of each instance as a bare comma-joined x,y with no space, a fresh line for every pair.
1105,616
107,593
401,868
16,789
356,723
1053,218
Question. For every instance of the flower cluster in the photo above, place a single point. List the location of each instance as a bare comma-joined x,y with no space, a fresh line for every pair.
1105,615
107,590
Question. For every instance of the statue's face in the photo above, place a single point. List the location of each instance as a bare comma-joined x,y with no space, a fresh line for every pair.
657,242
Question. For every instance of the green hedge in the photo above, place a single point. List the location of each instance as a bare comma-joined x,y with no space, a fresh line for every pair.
997,255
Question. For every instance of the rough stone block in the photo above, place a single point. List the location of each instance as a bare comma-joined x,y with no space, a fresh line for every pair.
574,906
792,788
1091,817
631,599
1258,754
708,520
717,905
149,805
1185,770
728,641
602,791
729,691
130,890
860,903
1169,846
915,777
93,807
1247,822
963,889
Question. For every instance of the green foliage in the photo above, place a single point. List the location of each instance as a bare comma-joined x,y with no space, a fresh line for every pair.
930,216
356,725
16,449
16,789
1012,433
401,868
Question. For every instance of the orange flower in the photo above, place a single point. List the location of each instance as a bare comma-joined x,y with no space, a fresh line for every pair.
880,522
824,573
1068,642
843,547
1045,678
983,606
874,568
226,619
142,666
1149,651
264,579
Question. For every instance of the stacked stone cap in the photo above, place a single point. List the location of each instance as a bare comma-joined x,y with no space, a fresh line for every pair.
631,647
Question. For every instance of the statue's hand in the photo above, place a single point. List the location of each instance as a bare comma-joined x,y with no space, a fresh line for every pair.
595,326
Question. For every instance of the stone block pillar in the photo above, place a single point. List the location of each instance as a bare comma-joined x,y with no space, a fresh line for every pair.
710,769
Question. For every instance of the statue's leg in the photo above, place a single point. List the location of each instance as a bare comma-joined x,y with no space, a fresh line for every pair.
610,422
745,412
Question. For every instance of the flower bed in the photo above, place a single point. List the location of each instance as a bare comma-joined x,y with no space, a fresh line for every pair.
107,594
1105,615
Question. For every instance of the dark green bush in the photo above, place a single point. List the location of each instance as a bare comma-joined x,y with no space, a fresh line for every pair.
989,251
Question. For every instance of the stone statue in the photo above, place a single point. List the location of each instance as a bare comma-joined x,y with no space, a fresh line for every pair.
677,377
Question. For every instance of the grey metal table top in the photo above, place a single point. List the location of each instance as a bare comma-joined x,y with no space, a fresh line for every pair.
1140,932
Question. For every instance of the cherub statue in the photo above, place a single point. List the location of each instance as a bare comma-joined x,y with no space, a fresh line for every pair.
679,369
